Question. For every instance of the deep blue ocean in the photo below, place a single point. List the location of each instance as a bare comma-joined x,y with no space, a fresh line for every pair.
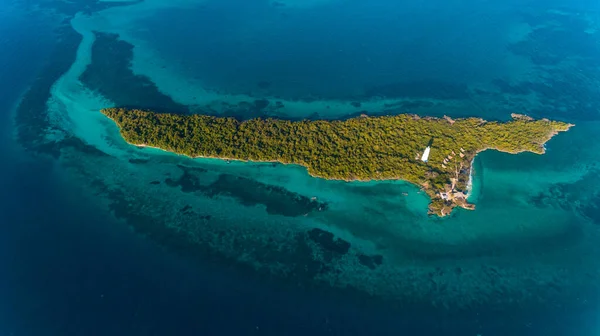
71,267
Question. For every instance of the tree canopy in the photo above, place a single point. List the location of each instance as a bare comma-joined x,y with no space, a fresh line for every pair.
361,148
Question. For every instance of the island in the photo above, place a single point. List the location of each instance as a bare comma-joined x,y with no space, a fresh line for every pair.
435,154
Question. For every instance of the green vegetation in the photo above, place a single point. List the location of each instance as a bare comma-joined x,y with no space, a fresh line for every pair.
362,148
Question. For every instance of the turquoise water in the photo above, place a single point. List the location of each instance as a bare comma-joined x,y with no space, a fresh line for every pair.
527,254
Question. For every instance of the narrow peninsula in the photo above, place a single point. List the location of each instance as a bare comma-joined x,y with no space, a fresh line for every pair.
433,153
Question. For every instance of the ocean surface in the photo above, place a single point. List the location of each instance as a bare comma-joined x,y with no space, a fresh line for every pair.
101,238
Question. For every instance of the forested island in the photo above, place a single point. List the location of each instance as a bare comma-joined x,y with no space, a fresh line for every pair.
433,153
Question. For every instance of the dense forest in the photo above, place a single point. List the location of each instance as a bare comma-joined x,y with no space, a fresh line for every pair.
361,148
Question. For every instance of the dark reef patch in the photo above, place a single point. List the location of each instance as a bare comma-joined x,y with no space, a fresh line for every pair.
189,211
110,74
197,238
31,118
564,94
188,181
370,261
31,114
569,85
552,44
580,196
522,88
54,148
277,200
261,104
591,209
325,240
248,192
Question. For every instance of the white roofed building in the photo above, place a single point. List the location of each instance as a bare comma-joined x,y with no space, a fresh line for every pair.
425,155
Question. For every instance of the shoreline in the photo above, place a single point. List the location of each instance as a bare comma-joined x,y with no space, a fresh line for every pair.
262,161
470,183
272,161
440,200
